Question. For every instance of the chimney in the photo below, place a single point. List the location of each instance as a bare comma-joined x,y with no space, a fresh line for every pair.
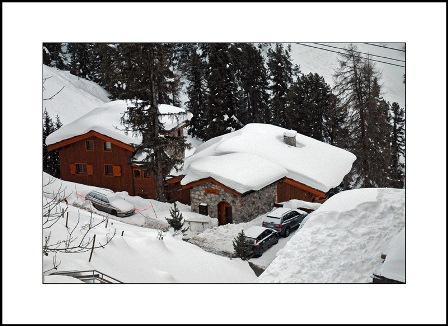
289,137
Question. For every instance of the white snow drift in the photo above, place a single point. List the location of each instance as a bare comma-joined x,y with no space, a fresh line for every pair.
343,240
106,119
314,163
75,95
138,255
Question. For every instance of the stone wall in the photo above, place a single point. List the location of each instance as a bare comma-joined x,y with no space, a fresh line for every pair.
244,208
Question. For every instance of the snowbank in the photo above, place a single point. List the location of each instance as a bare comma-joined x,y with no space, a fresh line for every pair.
106,119
311,162
139,256
342,241
77,97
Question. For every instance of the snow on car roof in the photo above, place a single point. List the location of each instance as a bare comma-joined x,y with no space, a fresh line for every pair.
279,212
254,231
106,119
240,171
311,162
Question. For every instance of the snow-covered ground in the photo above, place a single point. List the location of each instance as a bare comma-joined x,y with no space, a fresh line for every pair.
342,241
76,96
149,212
138,255
219,239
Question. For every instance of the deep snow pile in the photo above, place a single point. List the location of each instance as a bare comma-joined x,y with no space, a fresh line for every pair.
342,241
139,256
77,97
106,119
314,163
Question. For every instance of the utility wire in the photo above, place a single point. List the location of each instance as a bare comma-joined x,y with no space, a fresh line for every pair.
315,47
383,46
373,55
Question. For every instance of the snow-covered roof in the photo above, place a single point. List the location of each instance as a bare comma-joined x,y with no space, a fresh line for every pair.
394,264
311,162
342,241
106,119
254,231
240,171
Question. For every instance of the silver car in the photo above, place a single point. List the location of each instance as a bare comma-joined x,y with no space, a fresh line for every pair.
110,203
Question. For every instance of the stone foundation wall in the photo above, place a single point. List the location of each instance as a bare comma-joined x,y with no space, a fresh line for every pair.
244,208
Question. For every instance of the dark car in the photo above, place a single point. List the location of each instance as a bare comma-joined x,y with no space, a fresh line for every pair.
284,220
261,238
110,203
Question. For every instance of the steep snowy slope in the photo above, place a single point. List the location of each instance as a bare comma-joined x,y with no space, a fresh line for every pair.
342,241
74,97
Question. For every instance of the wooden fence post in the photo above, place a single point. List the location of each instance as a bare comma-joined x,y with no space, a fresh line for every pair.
93,246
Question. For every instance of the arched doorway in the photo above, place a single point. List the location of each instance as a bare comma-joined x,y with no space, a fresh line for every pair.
224,213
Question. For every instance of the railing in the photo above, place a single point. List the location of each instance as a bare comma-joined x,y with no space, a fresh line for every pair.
89,276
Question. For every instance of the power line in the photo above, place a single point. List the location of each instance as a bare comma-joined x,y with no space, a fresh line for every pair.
383,46
315,47
373,55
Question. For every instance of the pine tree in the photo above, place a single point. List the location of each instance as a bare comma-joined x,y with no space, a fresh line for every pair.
53,55
197,93
80,59
50,160
358,88
397,141
242,246
223,92
252,80
144,70
281,77
176,221
310,102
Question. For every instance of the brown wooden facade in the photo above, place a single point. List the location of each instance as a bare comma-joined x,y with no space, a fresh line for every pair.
289,189
98,160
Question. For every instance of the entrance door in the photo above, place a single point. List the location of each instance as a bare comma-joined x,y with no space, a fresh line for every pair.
224,213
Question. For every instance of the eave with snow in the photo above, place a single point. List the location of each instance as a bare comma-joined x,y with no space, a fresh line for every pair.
244,173
96,150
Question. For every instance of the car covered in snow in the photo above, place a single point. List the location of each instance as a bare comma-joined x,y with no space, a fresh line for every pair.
284,220
110,203
261,238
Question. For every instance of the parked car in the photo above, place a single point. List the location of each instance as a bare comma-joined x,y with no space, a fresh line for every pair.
284,220
262,239
110,203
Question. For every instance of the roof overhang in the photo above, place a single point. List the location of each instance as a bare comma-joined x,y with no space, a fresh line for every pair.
91,133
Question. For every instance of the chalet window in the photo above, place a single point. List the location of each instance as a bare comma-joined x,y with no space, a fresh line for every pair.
108,169
81,168
89,145
137,174
107,146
